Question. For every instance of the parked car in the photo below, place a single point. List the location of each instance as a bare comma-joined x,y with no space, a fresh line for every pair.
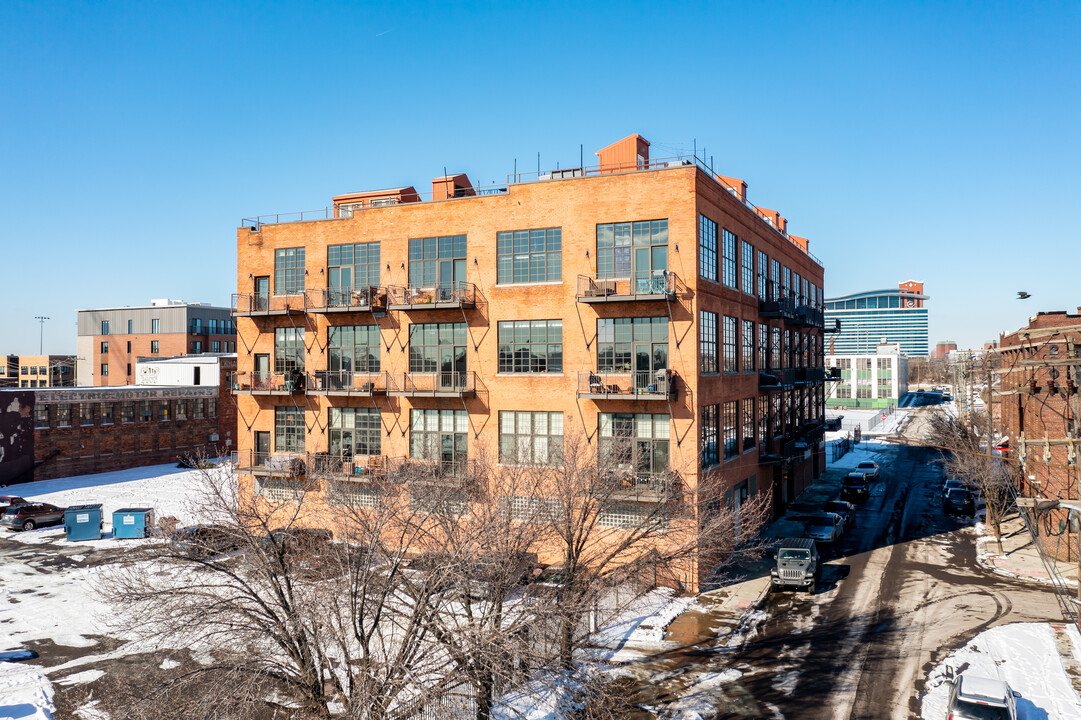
854,487
834,423
206,541
846,510
795,564
7,501
825,527
979,698
959,501
27,516
953,481
868,468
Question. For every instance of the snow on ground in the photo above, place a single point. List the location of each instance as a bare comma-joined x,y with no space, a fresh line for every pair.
25,692
1027,657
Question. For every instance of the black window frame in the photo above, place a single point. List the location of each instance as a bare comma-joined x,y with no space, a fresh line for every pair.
289,429
289,271
707,343
527,346
707,248
529,256
729,261
729,343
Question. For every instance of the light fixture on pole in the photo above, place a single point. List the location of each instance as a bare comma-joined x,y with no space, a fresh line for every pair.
41,334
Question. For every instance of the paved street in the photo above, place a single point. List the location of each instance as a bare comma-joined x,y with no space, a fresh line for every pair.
902,590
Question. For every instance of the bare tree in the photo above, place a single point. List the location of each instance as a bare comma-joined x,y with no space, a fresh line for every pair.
967,456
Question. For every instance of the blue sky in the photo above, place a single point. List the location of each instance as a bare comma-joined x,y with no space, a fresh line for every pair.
934,141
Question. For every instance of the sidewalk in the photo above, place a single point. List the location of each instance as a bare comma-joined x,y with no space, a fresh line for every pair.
1020,558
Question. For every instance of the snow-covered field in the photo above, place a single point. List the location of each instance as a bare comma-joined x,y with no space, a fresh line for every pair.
1029,657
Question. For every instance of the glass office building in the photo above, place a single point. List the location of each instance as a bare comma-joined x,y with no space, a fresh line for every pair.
877,316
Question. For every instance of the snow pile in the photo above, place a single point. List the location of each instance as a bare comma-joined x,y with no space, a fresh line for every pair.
25,692
1026,656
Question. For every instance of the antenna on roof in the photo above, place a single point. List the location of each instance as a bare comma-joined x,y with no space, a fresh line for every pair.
538,162
695,141
581,155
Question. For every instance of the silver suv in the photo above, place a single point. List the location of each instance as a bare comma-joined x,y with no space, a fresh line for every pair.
980,698
796,564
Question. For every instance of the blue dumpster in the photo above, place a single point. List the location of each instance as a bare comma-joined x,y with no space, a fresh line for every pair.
130,523
83,522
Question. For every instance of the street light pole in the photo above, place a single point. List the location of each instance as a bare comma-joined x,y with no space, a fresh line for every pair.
41,334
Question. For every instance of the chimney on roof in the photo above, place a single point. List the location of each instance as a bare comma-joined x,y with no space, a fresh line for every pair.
801,242
452,186
630,153
734,185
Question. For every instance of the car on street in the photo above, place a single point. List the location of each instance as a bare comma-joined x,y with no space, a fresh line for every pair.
796,564
825,527
979,698
959,501
868,468
7,501
846,510
27,516
854,487
952,481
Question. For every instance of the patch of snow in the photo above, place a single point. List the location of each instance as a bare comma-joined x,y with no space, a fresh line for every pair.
82,678
785,682
1026,657
25,692
168,664
91,711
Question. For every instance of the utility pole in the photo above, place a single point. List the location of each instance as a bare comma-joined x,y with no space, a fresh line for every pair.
41,334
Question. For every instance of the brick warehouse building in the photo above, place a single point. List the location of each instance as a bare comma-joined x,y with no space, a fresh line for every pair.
1041,414
110,340
57,432
647,300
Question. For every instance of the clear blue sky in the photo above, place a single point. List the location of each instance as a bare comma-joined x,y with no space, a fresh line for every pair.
934,141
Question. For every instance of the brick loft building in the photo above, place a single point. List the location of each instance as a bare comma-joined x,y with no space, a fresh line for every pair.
110,340
1041,413
34,371
642,299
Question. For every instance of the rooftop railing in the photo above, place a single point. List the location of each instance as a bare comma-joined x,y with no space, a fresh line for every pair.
658,285
454,295
648,385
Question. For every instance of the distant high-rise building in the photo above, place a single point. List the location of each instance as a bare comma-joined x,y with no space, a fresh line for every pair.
879,316
943,348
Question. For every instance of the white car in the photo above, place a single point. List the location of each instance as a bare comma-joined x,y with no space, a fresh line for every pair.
825,527
979,698
869,469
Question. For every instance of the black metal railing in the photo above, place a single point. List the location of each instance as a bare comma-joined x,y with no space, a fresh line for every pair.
356,300
268,382
784,308
647,385
641,486
269,304
347,382
447,295
432,384
657,285
776,378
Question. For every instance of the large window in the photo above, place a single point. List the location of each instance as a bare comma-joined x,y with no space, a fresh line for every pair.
41,416
632,249
529,255
289,429
728,259
748,423
707,248
731,363
352,267
747,345
774,280
288,350
632,344
289,271
707,341
437,261
437,347
104,327
530,438
747,268
353,348
531,346
731,420
635,443
763,418
763,347
763,279
439,435
355,432
710,436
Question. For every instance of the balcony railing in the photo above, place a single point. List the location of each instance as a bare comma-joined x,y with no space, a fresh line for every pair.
366,299
655,385
431,384
831,325
449,296
267,383
809,316
437,472
643,486
659,285
776,379
783,308
251,462
358,468
810,375
346,382
248,304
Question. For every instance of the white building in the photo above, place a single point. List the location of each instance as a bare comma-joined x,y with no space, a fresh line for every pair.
204,369
870,381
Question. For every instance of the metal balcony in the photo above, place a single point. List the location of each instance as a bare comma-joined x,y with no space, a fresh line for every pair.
784,309
831,325
265,383
432,384
453,296
279,464
641,487
346,383
359,468
780,450
771,380
259,304
810,375
809,316
658,286
334,300
656,385
425,472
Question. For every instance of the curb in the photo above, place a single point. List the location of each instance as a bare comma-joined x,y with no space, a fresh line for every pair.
986,561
